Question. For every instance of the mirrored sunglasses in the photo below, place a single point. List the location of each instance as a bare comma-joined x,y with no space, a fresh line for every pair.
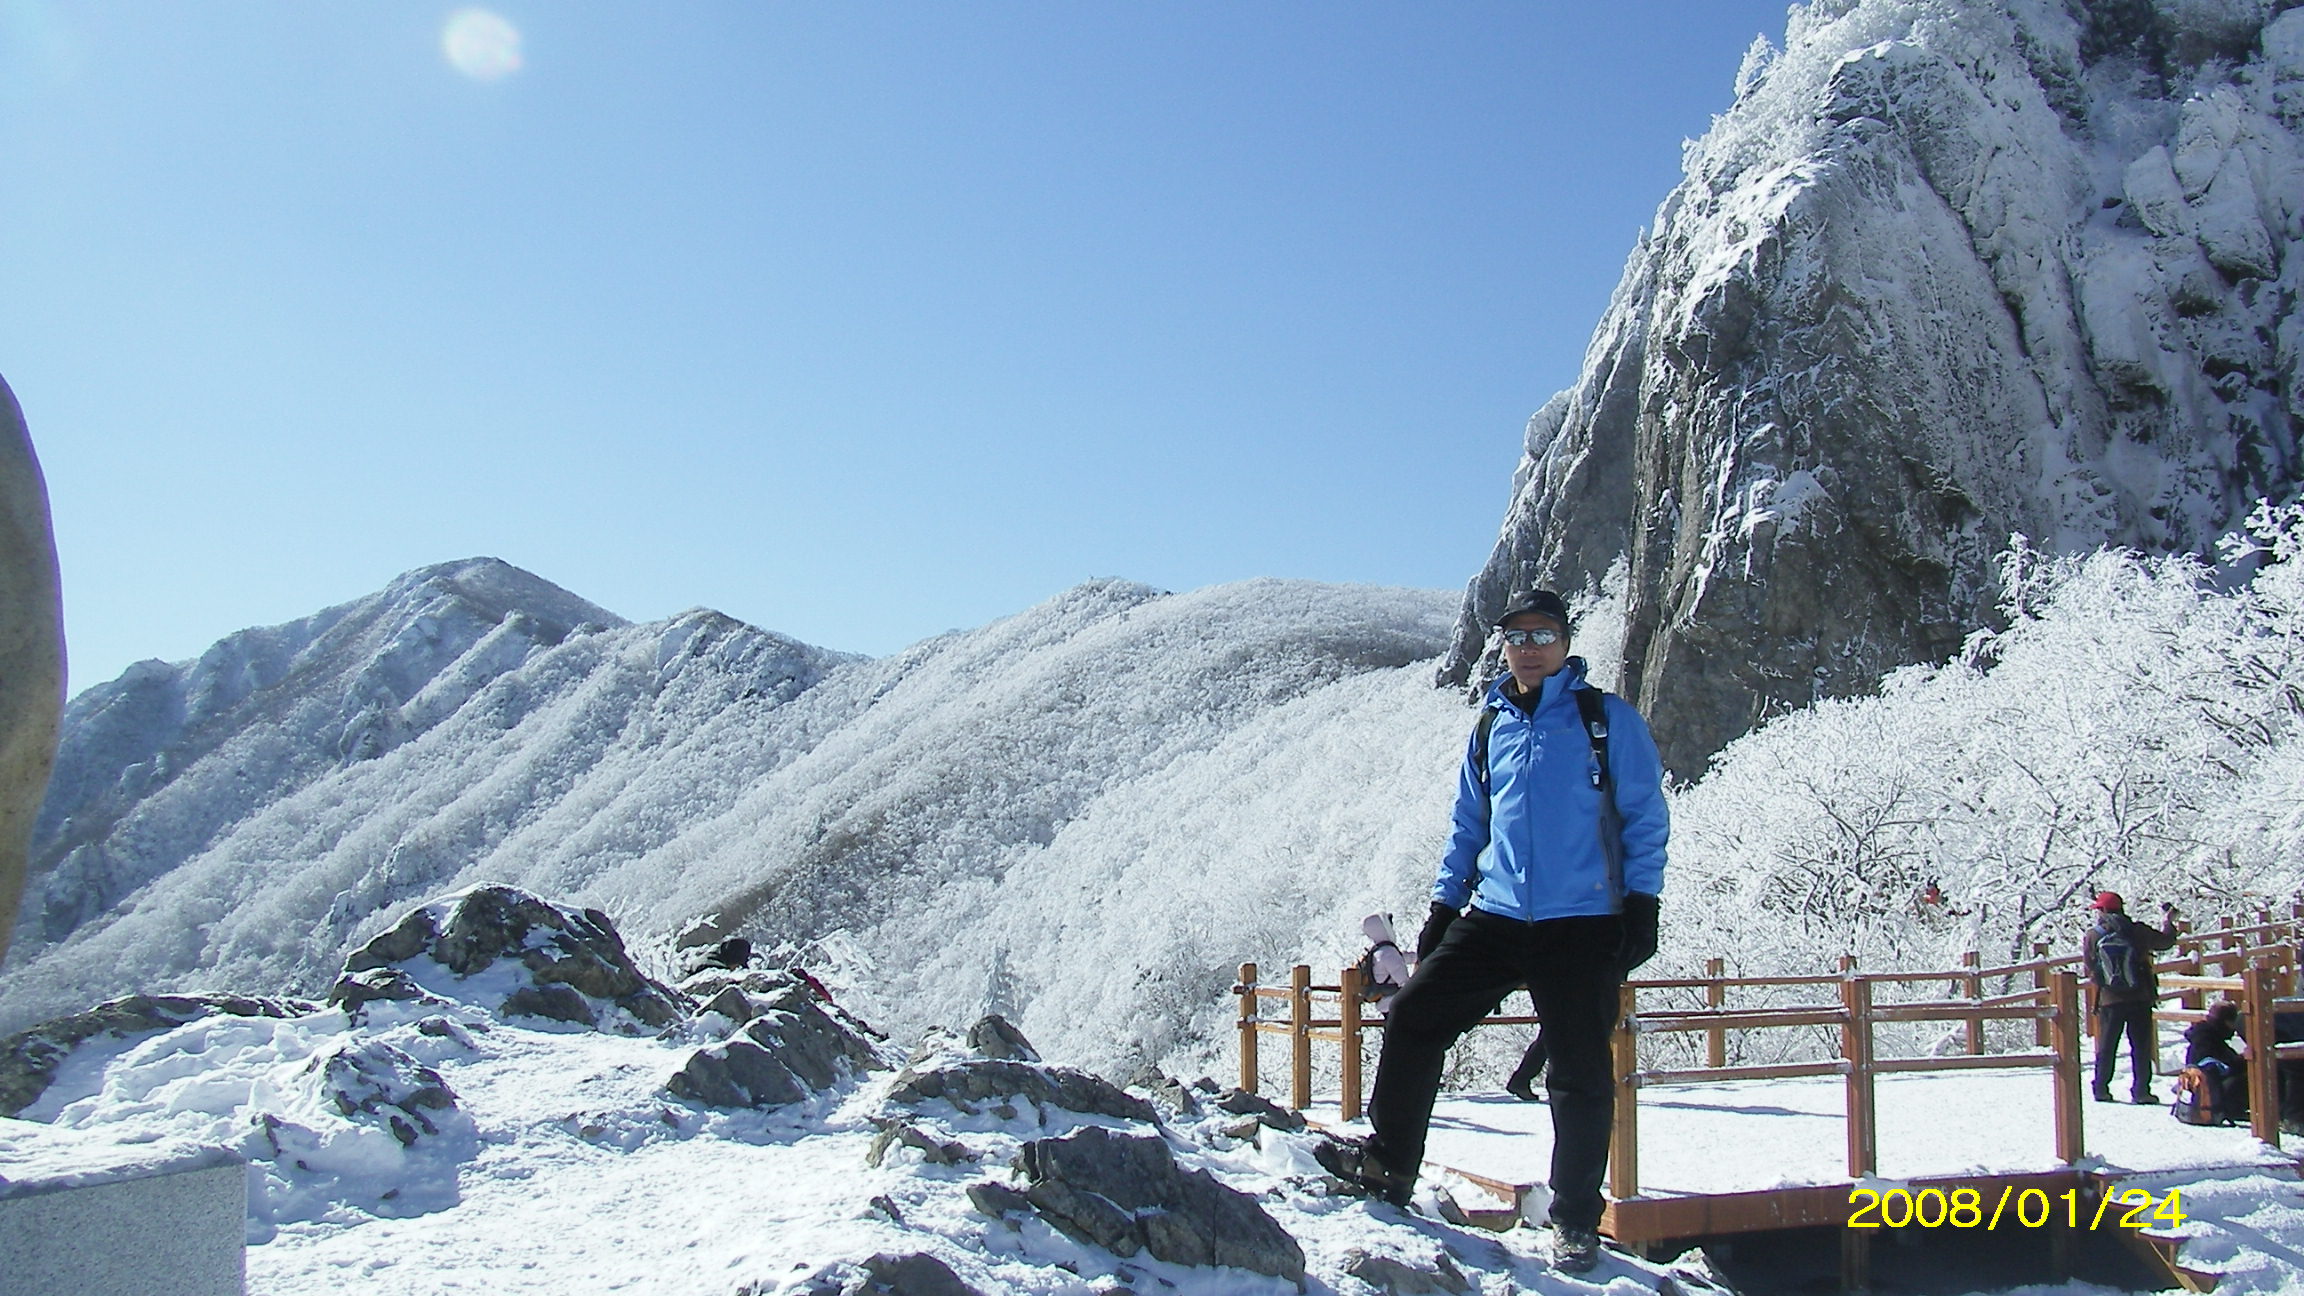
1539,638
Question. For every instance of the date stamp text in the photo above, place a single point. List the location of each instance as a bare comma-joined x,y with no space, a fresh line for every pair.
1967,1208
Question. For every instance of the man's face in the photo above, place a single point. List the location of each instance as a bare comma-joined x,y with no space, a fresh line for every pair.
1531,664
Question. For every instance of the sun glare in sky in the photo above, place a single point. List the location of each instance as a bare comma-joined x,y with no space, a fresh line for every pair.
481,45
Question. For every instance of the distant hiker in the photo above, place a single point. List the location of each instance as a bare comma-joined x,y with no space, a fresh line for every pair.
1931,902
1558,850
2117,951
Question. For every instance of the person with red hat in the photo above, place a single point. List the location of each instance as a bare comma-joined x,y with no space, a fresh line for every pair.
2117,952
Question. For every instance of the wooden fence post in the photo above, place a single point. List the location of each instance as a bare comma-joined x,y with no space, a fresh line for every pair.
1300,1036
2042,1035
1624,1142
1856,1047
1716,996
2064,996
1248,1015
1348,1030
2263,1065
1972,986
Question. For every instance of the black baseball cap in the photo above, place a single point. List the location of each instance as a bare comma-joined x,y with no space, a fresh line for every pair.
1542,602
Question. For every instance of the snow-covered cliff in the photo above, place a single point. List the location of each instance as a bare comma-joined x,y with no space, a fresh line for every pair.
1944,272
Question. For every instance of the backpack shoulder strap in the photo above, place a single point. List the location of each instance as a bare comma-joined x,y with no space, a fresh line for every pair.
1480,730
1593,704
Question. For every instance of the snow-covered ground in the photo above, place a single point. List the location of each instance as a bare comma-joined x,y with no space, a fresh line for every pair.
577,1173
565,1167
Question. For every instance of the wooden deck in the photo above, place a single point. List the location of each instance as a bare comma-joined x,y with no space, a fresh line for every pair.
1732,1146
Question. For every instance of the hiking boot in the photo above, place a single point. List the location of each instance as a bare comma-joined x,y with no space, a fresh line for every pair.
1574,1250
1359,1169
2143,1098
1524,1088
2105,1095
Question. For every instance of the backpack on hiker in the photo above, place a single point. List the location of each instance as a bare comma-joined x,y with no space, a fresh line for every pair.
2202,1094
2120,960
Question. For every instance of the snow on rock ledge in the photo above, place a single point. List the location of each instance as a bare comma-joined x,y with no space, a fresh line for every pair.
789,1046
30,1060
514,953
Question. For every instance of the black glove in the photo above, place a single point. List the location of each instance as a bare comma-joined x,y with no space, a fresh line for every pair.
1436,927
1639,941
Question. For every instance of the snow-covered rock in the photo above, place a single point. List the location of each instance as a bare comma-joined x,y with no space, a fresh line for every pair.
1125,1193
31,1059
972,1086
1944,272
789,1047
514,953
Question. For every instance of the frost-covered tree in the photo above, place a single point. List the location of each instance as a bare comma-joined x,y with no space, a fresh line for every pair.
2134,727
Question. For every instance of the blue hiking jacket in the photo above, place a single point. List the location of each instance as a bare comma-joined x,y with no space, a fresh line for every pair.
1526,843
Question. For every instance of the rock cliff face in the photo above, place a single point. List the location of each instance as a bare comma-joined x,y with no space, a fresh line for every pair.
1945,273
31,653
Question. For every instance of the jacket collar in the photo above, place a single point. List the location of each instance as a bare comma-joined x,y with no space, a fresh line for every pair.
1569,676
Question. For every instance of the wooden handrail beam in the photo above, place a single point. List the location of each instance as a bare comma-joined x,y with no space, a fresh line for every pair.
1773,1071
1695,1019
1954,1010
1692,983
1965,1062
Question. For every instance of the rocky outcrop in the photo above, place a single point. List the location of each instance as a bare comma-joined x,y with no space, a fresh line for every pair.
1126,1194
374,1083
1395,1277
994,1037
1944,273
29,1059
1260,1111
1167,1093
31,654
887,1274
989,1083
572,966
792,1043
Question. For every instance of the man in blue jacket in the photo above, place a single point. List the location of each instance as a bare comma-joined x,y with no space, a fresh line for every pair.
1549,881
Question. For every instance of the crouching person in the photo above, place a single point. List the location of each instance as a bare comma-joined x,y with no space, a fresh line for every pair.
2208,1045
1551,880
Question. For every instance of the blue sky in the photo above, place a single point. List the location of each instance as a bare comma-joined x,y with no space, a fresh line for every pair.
856,321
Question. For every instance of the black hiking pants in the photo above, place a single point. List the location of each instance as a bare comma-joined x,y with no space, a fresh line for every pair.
1569,967
2136,1020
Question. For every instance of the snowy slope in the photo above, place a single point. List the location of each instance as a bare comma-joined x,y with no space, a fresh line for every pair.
244,820
559,1164
1944,272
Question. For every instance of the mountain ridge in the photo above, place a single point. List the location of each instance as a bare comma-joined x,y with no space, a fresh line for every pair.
243,818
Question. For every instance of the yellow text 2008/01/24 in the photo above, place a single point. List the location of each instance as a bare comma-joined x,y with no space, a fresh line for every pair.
2031,1208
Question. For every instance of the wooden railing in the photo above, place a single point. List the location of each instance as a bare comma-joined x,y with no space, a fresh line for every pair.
2255,964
